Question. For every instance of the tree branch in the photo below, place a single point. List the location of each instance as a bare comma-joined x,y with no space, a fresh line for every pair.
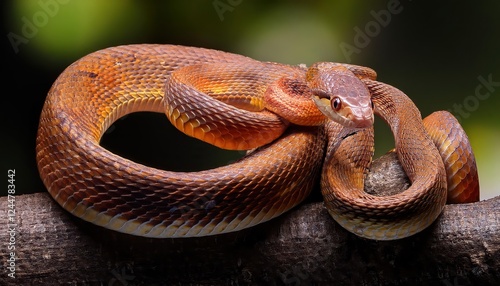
303,247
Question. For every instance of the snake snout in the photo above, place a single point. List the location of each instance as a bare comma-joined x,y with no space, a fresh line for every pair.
361,117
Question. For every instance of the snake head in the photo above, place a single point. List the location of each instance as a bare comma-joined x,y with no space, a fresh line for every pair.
340,95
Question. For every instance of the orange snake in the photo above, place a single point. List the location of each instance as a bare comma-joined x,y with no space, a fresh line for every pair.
235,102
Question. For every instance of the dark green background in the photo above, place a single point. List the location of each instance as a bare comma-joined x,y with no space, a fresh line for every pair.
434,51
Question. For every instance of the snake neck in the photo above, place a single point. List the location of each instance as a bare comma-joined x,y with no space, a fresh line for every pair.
348,162
416,151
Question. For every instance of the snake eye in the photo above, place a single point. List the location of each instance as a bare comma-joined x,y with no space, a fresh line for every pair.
336,103
373,105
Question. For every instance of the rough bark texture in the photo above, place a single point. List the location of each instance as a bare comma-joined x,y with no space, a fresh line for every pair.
303,247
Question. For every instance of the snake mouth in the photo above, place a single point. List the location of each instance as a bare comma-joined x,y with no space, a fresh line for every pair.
324,105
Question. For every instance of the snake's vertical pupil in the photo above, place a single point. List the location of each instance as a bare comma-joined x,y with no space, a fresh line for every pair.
336,103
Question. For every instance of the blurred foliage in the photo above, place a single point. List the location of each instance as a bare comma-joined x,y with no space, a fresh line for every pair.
436,53
65,31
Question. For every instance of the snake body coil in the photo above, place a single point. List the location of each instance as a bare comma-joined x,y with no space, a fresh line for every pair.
235,102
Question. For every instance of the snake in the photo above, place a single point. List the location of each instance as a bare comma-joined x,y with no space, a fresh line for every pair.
302,125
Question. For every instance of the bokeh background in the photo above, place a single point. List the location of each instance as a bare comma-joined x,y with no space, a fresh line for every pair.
442,54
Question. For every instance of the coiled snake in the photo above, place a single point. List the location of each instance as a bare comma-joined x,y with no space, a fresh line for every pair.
235,102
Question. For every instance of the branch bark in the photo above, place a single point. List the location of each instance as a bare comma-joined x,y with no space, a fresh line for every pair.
303,247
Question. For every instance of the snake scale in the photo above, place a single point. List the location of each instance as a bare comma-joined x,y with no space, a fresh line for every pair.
304,124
